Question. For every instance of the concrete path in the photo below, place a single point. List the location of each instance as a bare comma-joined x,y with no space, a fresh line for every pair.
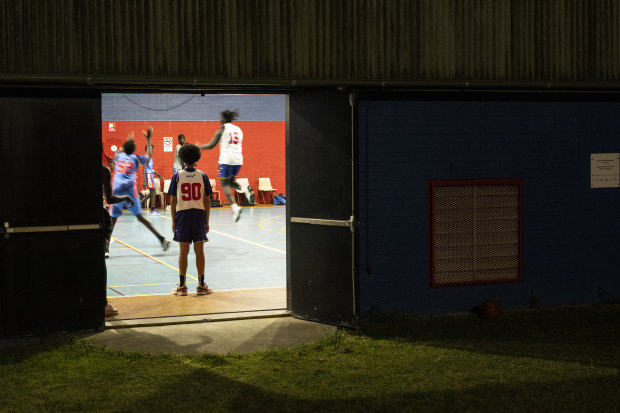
218,334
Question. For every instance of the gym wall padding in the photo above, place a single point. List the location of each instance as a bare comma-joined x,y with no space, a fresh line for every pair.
570,231
50,165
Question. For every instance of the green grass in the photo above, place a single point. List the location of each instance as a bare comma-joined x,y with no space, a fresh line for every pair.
560,360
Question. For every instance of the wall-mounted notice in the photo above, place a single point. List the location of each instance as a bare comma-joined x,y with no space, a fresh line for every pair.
605,170
167,143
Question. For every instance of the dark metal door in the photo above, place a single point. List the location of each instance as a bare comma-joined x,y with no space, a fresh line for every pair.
53,270
321,237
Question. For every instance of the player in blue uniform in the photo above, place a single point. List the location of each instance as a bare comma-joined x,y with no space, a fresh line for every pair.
190,202
106,225
124,183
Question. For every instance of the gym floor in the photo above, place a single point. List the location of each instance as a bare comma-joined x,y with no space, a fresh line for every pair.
245,265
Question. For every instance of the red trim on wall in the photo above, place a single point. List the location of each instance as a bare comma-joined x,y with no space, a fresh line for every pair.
263,148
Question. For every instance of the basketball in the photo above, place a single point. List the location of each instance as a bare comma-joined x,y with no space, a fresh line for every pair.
491,309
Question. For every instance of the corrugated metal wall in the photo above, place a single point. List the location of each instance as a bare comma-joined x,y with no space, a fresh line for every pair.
316,40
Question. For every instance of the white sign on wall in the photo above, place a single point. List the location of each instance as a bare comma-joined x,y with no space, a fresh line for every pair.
605,170
167,143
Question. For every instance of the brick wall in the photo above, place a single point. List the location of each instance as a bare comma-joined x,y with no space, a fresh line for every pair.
571,232
261,118
263,148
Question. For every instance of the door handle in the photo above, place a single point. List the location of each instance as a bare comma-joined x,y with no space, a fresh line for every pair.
8,229
351,223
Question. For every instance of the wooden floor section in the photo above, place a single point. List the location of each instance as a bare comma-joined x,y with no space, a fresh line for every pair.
219,302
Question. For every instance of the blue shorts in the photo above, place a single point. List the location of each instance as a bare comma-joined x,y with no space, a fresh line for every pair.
117,209
190,226
226,171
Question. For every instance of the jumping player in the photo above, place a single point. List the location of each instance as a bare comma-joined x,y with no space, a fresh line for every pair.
190,203
230,138
127,164
107,222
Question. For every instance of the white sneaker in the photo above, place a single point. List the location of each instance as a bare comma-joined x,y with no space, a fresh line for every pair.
236,212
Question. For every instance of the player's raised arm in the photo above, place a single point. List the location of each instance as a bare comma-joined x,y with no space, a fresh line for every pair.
149,150
214,141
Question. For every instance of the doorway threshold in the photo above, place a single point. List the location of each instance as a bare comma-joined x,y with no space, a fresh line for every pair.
192,319
166,309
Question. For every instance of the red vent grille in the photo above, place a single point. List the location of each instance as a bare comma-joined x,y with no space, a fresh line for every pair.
475,231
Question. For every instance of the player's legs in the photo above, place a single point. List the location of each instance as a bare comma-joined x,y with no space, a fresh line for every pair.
109,237
227,175
116,210
226,185
112,224
181,288
202,288
200,257
152,193
151,228
183,254
137,211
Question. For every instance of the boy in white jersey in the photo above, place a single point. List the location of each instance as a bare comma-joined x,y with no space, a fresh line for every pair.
190,202
230,138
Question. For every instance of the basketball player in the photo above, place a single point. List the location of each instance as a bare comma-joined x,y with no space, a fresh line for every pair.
107,222
149,183
178,163
190,202
230,138
127,164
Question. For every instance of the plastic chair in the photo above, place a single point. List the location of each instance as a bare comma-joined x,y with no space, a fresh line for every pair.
244,182
164,195
215,192
264,185
158,193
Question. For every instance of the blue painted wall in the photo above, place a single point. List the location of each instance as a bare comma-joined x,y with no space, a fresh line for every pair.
571,232
189,107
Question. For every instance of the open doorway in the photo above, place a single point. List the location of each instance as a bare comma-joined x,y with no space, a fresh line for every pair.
245,260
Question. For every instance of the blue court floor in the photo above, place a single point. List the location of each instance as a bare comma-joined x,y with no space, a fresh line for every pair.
248,254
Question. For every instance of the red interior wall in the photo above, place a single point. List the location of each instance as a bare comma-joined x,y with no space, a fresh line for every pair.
263,148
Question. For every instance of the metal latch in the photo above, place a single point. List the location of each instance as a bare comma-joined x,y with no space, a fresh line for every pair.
7,229
351,223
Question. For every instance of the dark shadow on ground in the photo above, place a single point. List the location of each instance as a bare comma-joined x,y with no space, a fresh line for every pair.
18,350
224,395
584,334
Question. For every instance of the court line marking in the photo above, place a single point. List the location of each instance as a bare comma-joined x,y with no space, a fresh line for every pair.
151,257
260,224
240,239
138,285
210,230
